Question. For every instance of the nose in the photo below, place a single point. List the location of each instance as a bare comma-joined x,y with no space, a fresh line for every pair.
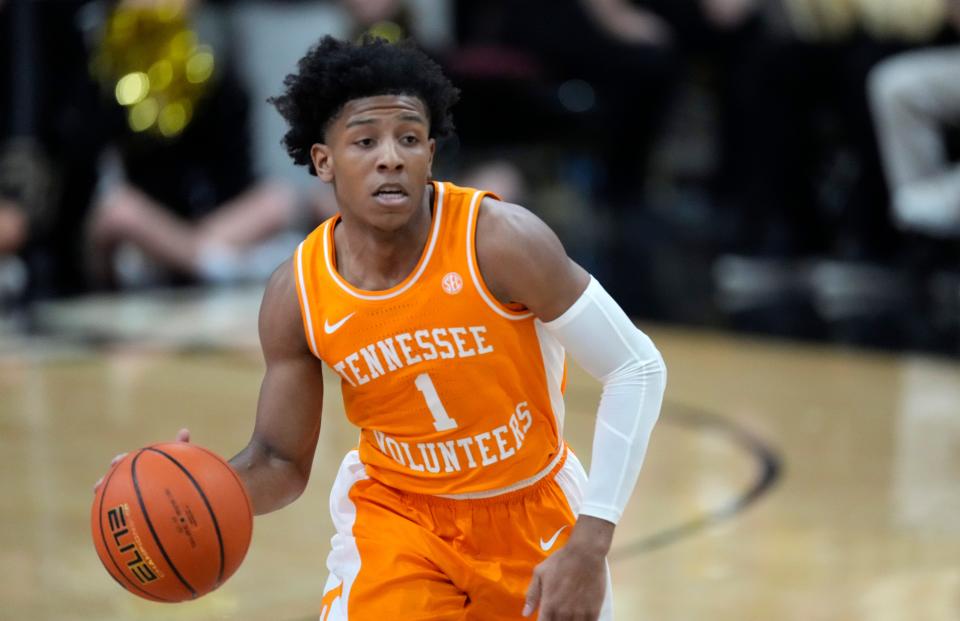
389,157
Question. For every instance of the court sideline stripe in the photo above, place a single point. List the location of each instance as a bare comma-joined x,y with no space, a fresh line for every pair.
770,469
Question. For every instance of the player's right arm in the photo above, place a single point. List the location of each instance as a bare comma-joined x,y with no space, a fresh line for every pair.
275,465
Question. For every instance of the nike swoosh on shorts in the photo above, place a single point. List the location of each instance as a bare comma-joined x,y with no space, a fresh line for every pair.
546,545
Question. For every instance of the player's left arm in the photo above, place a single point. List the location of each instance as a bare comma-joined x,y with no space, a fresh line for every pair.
522,261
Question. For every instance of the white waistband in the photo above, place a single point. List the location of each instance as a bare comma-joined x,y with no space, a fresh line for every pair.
561,451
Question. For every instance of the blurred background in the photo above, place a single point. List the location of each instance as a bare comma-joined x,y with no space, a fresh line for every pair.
770,187
781,167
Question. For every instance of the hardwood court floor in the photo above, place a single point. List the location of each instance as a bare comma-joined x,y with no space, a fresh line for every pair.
783,482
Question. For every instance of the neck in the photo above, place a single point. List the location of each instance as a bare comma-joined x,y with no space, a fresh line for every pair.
374,259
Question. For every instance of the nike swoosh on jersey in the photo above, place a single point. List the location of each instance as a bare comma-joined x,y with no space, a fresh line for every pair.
546,545
330,329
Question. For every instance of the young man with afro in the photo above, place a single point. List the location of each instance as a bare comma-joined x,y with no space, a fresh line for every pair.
448,315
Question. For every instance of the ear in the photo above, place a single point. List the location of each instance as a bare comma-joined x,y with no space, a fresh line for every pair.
433,150
322,158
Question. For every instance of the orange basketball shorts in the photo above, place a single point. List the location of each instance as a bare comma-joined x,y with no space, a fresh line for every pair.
405,556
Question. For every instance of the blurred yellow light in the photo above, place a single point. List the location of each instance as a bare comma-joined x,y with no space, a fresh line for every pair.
122,24
200,66
132,88
172,120
144,115
170,9
391,31
183,44
160,74
914,20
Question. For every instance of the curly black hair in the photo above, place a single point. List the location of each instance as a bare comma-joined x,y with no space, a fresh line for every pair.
334,72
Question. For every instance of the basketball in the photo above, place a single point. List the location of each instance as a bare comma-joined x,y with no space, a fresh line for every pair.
171,522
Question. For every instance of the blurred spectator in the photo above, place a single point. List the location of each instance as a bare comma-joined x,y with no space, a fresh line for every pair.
47,142
916,108
167,166
802,175
802,165
801,159
13,227
915,97
182,191
229,244
590,76
565,101
213,202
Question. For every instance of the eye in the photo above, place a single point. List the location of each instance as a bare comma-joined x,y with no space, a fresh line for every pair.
364,142
409,139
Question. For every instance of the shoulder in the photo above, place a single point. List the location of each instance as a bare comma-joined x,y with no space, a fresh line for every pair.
280,323
523,261
506,231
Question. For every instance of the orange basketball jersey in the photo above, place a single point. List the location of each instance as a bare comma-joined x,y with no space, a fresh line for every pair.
454,393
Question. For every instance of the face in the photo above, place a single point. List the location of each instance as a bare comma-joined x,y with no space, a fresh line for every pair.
378,155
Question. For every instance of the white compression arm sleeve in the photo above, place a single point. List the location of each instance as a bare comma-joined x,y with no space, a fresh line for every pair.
603,340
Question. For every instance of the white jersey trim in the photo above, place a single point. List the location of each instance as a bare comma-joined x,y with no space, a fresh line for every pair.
431,244
516,486
344,560
554,359
306,303
572,480
475,272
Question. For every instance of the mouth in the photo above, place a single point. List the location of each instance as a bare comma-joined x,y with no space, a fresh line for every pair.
390,193
390,190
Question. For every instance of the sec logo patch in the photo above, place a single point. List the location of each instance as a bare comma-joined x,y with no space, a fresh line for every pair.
452,283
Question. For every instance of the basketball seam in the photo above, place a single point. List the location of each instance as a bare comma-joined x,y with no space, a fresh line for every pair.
236,478
203,496
146,516
106,547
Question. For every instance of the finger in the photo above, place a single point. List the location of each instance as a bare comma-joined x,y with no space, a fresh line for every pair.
96,486
183,435
549,611
117,459
533,596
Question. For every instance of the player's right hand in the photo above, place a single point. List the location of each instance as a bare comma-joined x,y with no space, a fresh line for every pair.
182,436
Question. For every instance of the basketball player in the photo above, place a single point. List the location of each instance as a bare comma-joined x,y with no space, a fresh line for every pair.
447,314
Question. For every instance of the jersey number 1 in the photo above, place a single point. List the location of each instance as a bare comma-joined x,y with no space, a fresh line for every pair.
441,420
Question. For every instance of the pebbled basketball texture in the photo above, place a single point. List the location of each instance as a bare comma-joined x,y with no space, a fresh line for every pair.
171,522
